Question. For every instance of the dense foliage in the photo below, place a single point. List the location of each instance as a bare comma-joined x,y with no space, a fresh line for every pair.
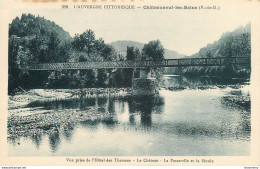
29,25
153,50
35,40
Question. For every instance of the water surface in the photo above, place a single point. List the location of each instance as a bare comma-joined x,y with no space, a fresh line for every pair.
192,121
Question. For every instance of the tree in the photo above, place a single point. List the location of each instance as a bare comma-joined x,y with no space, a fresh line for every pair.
87,45
130,53
209,54
14,27
85,42
108,53
53,48
64,52
13,65
119,78
102,78
91,77
35,48
137,54
89,41
153,50
99,44
77,43
128,73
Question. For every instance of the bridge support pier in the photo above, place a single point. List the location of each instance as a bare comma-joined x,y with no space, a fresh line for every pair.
145,85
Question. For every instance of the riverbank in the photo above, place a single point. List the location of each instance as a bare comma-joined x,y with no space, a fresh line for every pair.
205,87
21,99
47,122
24,98
26,121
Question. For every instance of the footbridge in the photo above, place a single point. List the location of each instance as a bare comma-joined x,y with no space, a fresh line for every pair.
220,61
145,85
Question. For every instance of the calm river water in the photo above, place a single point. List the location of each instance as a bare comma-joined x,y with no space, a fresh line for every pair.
192,121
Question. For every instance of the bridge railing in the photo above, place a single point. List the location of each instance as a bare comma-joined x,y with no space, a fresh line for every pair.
142,63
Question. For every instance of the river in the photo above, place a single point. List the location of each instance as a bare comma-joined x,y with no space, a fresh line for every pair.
189,117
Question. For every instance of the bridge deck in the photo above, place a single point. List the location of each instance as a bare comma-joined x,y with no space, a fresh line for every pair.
141,63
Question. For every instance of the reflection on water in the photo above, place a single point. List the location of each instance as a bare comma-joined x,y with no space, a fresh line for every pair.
142,106
37,139
54,139
188,122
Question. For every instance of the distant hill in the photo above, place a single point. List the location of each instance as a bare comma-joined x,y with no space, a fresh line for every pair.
121,46
231,44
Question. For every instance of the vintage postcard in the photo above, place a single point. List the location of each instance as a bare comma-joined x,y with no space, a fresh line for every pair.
172,83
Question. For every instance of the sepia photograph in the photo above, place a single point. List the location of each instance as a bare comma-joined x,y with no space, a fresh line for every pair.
146,80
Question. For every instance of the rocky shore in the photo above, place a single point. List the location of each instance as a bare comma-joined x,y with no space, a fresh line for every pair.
23,121
240,102
46,122
23,98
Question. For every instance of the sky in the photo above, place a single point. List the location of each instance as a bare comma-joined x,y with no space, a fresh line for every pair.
184,31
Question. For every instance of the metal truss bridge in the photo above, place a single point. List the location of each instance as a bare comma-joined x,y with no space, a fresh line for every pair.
220,61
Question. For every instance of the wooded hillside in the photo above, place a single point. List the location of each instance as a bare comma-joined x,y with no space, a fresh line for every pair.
231,44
